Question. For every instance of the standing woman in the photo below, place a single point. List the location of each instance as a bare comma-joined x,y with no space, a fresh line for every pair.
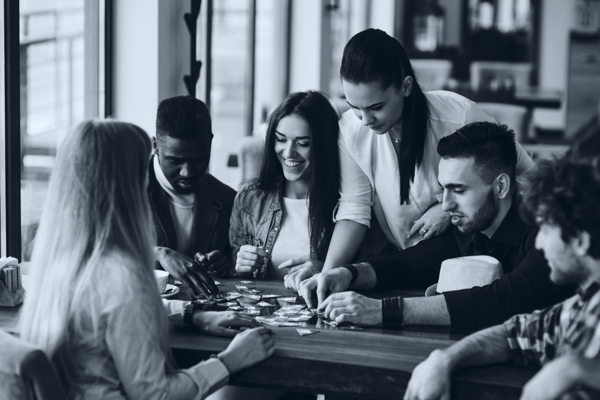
388,148
93,306
284,219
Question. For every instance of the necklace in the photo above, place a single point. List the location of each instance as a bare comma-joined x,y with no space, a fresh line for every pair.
396,141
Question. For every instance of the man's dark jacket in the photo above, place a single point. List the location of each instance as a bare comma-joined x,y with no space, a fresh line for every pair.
212,209
525,286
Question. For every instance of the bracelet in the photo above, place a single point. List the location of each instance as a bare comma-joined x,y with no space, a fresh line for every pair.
188,317
353,271
391,308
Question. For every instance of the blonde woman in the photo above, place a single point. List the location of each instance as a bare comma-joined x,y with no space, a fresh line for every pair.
93,305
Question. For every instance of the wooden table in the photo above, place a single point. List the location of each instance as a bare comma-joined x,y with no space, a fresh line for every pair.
372,364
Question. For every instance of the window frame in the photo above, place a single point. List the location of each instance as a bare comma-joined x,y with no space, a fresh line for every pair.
10,237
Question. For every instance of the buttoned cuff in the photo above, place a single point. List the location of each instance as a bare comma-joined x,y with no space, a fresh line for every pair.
209,376
175,310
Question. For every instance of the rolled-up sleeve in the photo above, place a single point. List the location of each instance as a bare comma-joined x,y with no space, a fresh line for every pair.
356,191
135,348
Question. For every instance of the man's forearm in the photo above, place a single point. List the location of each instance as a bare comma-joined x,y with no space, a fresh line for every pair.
489,346
366,278
425,311
587,371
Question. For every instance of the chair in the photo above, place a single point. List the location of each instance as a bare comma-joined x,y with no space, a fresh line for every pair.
485,73
26,373
516,117
432,74
251,152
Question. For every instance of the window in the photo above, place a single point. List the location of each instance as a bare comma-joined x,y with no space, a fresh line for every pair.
246,70
59,78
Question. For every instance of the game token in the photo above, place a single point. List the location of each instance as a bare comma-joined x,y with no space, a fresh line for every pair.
231,304
253,312
289,324
271,296
232,295
236,308
241,287
204,301
245,282
264,304
252,291
252,296
289,299
351,328
304,332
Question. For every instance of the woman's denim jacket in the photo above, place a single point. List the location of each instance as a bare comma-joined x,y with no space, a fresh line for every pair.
256,220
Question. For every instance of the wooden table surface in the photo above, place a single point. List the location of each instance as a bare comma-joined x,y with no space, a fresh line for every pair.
372,364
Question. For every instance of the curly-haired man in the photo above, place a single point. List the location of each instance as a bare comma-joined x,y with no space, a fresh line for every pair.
564,200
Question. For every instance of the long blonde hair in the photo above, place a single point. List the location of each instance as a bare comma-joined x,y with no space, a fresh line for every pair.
96,211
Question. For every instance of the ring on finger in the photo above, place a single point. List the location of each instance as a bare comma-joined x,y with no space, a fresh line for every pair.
423,231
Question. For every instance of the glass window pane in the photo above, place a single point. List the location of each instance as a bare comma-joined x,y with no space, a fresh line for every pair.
2,134
270,58
52,95
229,85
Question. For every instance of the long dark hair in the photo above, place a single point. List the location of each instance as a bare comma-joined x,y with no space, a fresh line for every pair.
324,170
373,57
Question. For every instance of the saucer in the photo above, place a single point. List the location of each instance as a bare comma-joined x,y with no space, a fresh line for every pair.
175,291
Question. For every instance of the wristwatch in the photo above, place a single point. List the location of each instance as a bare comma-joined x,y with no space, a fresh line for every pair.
188,317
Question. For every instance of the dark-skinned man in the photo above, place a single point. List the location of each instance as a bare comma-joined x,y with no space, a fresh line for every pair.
190,207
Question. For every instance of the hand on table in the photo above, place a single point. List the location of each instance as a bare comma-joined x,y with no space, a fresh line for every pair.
300,269
223,323
434,222
187,271
247,349
430,380
353,308
214,262
334,280
250,259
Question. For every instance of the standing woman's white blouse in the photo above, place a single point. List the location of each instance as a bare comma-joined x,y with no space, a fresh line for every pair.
369,168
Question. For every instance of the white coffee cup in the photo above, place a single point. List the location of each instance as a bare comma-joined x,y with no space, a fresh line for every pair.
161,279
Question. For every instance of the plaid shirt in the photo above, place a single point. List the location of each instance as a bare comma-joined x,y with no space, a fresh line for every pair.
571,327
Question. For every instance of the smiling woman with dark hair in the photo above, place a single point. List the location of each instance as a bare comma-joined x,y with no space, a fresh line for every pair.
284,219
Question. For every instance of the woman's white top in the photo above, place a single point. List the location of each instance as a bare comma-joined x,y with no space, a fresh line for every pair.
293,239
182,210
369,168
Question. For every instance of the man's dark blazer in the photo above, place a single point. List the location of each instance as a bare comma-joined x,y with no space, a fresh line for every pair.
212,209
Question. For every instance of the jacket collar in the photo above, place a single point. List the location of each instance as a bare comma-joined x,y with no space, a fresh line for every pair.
509,231
207,208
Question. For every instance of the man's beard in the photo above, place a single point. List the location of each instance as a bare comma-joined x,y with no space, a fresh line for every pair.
484,217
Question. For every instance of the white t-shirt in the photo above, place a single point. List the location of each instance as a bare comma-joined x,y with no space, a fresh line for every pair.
293,240
182,210
369,168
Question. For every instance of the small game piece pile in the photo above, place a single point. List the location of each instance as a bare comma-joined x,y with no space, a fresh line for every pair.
292,315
